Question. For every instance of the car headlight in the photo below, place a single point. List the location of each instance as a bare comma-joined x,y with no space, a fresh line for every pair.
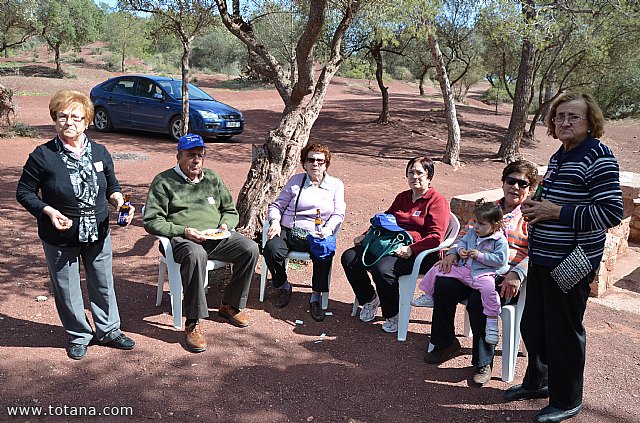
208,115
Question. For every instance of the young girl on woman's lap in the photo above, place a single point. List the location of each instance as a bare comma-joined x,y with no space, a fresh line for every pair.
483,253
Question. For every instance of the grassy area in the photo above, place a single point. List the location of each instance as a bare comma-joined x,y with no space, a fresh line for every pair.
242,84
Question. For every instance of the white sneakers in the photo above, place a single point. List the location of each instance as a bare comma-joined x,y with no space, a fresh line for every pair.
391,324
423,300
370,309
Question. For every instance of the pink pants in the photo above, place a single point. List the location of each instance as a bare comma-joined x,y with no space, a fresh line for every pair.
484,283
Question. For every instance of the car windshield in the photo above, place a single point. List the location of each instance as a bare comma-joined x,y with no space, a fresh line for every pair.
174,88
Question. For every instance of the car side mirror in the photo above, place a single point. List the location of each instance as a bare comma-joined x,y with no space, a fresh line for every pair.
158,96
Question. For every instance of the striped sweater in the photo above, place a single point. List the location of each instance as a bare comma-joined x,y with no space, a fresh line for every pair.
585,182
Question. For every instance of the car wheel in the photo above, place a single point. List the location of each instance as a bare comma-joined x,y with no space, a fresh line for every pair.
174,128
102,120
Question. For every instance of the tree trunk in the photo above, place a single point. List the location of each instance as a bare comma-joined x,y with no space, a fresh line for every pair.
7,108
452,152
56,50
186,52
423,75
303,94
383,118
124,54
510,147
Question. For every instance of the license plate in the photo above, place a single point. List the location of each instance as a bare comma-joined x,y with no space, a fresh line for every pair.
233,124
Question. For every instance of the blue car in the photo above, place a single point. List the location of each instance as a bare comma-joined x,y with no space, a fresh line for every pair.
154,103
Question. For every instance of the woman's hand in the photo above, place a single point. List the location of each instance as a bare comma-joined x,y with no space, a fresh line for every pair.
537,211
358,240
274,229
404,252
59,220
510,285
448,261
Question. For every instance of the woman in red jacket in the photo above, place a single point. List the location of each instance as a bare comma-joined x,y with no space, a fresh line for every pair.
424,213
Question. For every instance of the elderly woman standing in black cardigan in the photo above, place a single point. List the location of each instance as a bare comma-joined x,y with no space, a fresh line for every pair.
66,184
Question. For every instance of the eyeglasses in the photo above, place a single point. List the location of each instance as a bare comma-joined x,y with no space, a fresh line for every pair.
559,119
521,182
416,174
314,160
72,118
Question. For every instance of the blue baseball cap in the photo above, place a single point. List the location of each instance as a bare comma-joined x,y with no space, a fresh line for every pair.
387,221
189,141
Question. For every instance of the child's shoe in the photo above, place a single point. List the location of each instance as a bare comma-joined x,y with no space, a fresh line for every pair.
423,300
491,333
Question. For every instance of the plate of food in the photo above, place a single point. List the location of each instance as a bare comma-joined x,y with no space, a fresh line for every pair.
216,234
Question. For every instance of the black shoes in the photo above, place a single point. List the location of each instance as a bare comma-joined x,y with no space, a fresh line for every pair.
283,297
551,414
518,393
441,354
122,342
317,313
77,351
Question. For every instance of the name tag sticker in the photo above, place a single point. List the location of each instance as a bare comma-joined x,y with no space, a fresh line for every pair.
211,200
99,167
417,212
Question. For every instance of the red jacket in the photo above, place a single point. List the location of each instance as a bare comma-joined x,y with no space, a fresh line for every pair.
426,220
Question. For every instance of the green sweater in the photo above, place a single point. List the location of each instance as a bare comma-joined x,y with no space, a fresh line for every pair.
174,204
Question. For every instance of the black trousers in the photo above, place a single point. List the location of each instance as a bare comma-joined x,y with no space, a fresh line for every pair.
275,252
448,293
385,274
555,338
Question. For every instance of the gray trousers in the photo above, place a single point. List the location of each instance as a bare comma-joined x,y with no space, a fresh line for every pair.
192,257
64,270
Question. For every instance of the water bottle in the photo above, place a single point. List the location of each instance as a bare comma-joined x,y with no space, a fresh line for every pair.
124,210
318,221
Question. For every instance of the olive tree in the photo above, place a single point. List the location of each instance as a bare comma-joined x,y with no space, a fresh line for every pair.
301,89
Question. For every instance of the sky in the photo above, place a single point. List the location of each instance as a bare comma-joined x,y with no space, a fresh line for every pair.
111,3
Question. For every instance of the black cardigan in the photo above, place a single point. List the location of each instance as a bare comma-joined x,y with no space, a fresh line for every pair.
45,181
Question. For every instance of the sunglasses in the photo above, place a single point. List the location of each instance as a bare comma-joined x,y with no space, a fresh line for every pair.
314,160
521,182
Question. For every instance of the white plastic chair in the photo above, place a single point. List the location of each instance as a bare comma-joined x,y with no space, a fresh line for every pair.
168,265
292,255
407,283
511,315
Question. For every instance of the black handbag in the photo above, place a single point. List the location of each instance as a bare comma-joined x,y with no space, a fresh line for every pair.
297,237
573,268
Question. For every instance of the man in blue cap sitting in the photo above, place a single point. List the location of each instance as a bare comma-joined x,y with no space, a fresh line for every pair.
184,201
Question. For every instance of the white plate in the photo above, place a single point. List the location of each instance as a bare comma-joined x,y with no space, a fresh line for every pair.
216,234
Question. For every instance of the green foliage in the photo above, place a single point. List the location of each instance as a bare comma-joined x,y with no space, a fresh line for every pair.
402,73
227,55
357,67
126,35
497,91
244,84
619,94
21,130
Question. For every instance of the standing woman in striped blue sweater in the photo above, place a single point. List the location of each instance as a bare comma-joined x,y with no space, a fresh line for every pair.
581,198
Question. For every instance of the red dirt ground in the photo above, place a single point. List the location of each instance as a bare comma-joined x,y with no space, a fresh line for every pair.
341,370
